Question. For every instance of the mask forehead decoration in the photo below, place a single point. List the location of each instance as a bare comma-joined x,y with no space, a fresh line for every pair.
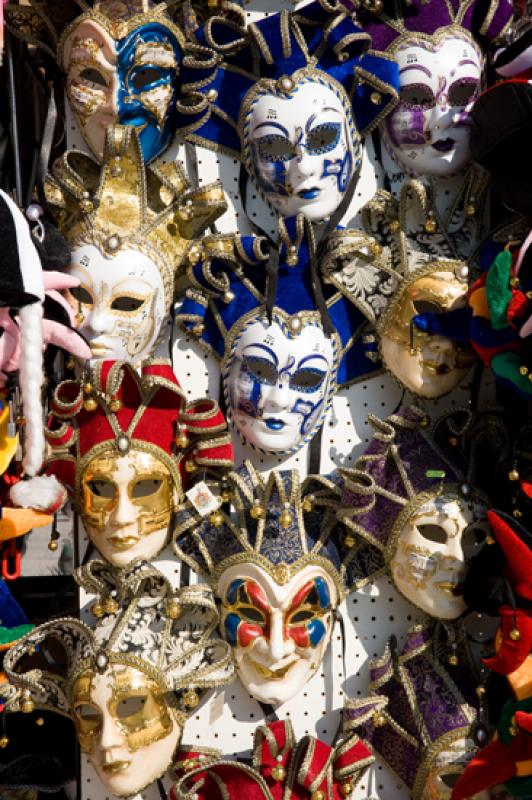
130,228
392,283
126,445
416,718
280,565
285,341
413,515
138,673
440,59
290,96
309,766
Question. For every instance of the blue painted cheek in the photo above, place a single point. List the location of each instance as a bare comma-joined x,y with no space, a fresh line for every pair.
250,405
231,625
233,590
272,177
307,410
316,631
341,169
323,592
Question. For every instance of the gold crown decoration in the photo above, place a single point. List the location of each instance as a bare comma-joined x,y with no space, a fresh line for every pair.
124,204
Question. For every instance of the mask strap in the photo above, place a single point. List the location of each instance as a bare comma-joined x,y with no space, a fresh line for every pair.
162,793
270,714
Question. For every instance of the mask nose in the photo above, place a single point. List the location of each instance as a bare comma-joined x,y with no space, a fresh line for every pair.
111,736
441,346
279,646
278,398
98,321
124,513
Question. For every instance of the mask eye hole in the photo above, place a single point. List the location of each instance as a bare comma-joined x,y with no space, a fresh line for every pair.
434,533
301,617
146,487
92,75
127,304
144,77
426,307
307,380
130,706
463,91
261,370
89,716
450,778
102,488
474,536
323,138
82,295
251,614
417,96
274,148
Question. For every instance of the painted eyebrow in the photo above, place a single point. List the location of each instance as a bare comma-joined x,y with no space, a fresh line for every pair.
311,358
313,117
426,70
266,349
467,61
271,125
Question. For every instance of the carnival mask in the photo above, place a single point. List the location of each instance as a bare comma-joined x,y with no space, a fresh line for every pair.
301,146
279,383
125,726
428,365
130,81
429,549
446,767
440,77
127,505
121,302
278,631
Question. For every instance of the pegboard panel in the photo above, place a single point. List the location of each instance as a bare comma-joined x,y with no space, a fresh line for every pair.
227,718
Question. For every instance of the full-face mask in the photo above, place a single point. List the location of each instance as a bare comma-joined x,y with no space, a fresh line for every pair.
130,230
290,96
413,516
279,568
423,729
284,347
124,445
441,63
132,680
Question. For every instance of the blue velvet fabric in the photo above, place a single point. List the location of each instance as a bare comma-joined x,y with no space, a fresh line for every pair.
295,293
331,42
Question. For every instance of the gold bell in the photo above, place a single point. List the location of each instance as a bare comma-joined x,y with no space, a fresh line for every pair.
346,789
39,721
86,206
278,773
115,405
349,540
225,495
513,475
97,610
285,518
515,635
379,719
173,609
431,225
88,387
90,404
79,317
424,422
194,254
185,212
27,705
375,249
453,660
528,295
490,539
291,256
256,510
395,226
470,210
4,741
110,606
452,441
191,466
182,440
523,370
308,504
318,795
376,98
53,545
197,330
514,282
228,297
190,698
517,513
481,691
512,730
216,518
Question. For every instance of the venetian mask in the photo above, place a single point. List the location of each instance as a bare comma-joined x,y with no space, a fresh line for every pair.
121,302
279,382
278,631
130,81
446,767
125,726
440,76
127,505
428,365
301,146
429,549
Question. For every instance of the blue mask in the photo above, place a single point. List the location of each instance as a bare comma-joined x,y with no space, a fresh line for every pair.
129,80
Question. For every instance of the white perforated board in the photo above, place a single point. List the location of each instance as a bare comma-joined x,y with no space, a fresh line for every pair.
370,615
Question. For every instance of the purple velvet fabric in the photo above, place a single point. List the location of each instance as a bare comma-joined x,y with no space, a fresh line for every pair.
428,17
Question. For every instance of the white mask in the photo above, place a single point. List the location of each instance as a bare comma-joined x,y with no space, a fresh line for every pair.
427,557
427,133
127,505
125,726
426,364
279,384
302,147
446,768
121,300
279,633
